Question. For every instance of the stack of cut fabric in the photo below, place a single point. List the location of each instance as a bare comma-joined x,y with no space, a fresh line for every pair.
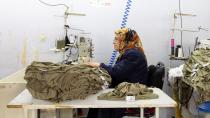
124,89
197,72
56,82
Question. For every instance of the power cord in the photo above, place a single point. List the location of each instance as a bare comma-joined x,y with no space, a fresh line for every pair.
53,5
123,24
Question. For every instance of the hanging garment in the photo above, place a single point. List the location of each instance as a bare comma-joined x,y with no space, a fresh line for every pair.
55,82
120,92
197,72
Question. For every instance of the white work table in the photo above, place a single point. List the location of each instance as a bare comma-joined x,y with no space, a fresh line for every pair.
26,101
15,78
11,86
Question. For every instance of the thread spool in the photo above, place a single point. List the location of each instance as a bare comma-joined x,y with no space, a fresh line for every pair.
172,46
180,54
177,50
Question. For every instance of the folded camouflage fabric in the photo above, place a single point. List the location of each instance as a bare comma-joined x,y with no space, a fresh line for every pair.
55,82
197,72
140,91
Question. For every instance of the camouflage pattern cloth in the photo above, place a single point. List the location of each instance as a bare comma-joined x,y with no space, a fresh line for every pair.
55,82
120,92
197,72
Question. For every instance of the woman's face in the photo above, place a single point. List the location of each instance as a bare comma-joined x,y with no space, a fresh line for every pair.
116,42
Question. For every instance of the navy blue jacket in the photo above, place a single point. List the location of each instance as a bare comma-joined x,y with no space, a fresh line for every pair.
130,67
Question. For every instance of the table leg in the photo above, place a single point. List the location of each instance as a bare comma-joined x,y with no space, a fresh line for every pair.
157,112
176,98
33,113
66,113
38,113
142,112
57,113
25,112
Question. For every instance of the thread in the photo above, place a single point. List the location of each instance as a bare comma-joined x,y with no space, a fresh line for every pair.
172,46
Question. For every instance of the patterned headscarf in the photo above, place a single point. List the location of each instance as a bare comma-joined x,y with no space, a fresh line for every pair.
134,42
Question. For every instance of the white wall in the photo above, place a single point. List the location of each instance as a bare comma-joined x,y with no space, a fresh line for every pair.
37,24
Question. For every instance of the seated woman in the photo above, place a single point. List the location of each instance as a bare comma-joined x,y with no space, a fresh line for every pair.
131,66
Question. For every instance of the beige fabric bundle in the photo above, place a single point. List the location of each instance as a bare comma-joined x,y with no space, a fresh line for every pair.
56,82
140,91
197,72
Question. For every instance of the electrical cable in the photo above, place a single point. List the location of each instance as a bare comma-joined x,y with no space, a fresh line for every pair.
66,29
66,26
126,13
53,5
123,24
112,59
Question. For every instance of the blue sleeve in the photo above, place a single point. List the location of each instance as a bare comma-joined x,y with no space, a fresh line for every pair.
122,69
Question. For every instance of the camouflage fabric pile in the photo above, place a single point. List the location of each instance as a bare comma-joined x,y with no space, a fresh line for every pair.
55,82
140,91
197,72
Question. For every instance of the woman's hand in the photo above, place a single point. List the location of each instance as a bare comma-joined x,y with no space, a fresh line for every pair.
93,64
